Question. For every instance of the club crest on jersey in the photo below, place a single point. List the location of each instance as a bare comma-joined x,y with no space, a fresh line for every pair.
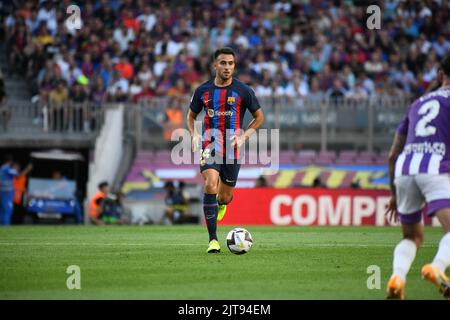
211,113
231,100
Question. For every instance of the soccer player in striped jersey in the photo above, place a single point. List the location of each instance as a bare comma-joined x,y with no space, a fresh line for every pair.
419,167
225,100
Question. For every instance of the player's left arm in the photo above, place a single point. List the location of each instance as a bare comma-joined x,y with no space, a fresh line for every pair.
252,104
396,149
255,124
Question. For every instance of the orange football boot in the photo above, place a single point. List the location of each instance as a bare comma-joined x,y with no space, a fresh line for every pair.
439,279
396,288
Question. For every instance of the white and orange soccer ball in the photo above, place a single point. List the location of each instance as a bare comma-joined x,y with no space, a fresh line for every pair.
239,241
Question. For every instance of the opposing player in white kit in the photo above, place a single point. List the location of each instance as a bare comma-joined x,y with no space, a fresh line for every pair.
419,167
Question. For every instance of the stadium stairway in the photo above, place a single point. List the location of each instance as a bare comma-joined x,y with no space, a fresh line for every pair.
19,100
22,130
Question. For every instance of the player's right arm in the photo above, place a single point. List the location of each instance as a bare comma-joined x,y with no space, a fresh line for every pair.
196,138
194,109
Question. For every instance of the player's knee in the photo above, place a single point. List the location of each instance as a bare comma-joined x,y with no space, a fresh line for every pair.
210,187
443,216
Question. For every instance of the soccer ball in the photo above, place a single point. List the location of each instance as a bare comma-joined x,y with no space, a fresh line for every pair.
239,241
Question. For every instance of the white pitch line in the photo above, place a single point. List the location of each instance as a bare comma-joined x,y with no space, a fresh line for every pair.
89,244
324,245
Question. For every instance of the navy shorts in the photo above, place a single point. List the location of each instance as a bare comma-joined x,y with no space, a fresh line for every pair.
228,173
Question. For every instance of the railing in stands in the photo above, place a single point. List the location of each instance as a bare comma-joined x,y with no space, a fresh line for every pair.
325,122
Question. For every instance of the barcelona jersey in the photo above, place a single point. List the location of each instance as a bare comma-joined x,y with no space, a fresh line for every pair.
224,112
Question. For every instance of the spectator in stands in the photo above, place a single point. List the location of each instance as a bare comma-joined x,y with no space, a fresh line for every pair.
17,58
375,66
190,75
404,77
125,68
315,93
43,37
95,204
336,93
358,93
123,36
147,93
165,83
441,46
47,16
106,72
145,74
59,95
325,78
97,93
148,17
118,92
322,41
178,89
78,95
58,112
135,88
87,66
174,118
368,84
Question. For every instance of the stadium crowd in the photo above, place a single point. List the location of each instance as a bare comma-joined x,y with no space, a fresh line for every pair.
133,49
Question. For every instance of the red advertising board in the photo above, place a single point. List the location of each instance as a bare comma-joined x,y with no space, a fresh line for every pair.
305,207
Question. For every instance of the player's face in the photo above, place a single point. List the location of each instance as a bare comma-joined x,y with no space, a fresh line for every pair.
224,66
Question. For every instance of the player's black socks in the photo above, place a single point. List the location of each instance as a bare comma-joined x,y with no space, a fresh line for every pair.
210,211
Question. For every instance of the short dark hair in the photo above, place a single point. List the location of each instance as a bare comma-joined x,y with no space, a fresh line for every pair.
445,65
102,184
224,50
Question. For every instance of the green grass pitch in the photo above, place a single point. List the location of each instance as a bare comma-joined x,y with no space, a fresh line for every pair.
155,262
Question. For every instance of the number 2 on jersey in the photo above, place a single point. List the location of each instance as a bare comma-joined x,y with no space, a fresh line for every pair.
429,111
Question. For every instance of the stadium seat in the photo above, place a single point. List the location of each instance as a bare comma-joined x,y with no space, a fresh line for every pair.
144,157
346,157
306,157
325,157
365,158
287,157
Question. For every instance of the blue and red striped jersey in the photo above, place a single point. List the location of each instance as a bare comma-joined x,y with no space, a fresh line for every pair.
224,111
